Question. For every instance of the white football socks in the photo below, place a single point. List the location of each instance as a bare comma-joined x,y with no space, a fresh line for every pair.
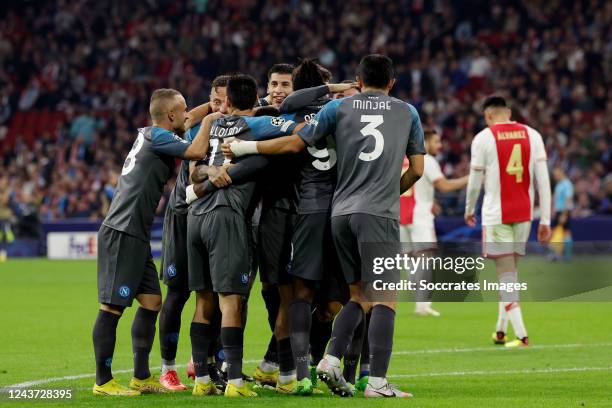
237,382
168,365
502,319
203,380
516,318
333,361
268,366
377,382
285,378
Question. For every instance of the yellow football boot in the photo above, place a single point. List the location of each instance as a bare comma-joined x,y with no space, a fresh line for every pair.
113,388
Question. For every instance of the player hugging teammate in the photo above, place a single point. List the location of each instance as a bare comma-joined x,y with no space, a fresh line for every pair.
319,177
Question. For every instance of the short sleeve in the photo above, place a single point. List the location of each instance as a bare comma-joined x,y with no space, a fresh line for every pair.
539,151
432,170
270,127
478,160
416,138
323,124
166,142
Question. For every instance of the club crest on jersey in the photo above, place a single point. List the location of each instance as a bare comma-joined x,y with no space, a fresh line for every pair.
171,271
124,291
244,278
277,121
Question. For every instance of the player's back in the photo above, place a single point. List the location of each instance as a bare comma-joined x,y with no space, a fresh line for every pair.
373,134
146,170
236,196
507,152
317,167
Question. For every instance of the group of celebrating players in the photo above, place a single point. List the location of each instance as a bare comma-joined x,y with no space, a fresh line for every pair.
291,185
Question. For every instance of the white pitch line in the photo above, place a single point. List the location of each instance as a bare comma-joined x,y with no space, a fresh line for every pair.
32,383
503,372
497,349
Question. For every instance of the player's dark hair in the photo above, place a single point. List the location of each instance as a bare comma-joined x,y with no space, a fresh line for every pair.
266,111
308,74
159,99
280,69
220,81
428,133
376,70
494,101
242,91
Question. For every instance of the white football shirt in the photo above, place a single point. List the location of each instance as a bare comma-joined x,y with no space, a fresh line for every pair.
508,182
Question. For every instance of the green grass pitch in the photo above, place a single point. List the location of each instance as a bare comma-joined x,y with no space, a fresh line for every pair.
48,308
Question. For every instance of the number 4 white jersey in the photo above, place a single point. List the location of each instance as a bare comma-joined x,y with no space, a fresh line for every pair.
507,152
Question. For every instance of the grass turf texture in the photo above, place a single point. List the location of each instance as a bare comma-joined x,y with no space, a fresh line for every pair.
48,309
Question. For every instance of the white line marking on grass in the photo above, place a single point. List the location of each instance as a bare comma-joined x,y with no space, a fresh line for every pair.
503,372
32,383
497,348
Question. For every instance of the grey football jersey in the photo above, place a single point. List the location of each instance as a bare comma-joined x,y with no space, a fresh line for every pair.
315,186
146,170
237,196
177,200
373,134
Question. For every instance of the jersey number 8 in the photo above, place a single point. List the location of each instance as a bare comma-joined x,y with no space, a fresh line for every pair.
130,160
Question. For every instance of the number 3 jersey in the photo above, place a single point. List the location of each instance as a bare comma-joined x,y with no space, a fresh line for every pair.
373,132
507,152
145,172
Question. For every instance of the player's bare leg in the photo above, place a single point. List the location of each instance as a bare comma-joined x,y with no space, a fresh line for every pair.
506,267
202,335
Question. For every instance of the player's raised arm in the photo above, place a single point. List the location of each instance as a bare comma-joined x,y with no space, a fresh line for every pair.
323,124
475,178
196,115
308,96
445,185
199,147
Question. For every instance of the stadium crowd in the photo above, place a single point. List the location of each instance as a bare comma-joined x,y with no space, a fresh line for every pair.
97,63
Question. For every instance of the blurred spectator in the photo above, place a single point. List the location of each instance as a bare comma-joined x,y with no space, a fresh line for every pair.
98,62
